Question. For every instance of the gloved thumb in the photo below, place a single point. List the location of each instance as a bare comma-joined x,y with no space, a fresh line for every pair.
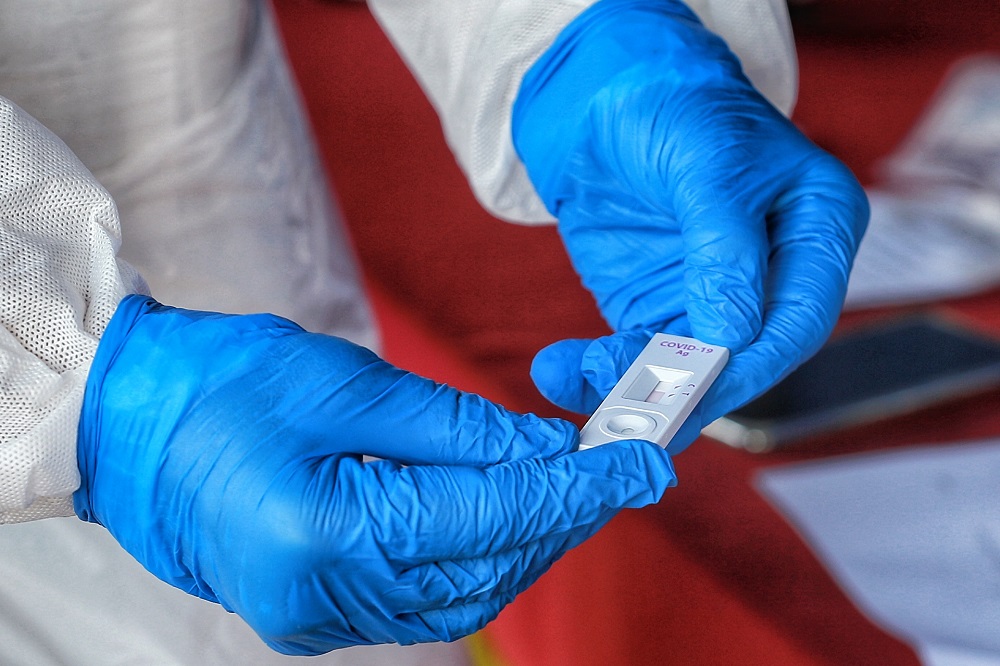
577,374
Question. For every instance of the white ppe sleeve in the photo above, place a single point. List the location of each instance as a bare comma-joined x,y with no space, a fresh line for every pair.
59,285
186,113
470,55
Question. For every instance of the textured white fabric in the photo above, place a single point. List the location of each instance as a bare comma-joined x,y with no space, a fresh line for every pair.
186,112
472,70
59,286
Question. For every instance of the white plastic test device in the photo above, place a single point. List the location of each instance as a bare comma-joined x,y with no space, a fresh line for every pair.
657,392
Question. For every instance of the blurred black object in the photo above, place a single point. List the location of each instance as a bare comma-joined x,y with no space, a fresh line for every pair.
873,373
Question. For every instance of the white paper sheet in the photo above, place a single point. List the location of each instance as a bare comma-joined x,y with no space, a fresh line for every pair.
941,245
913,537
957,140
935,224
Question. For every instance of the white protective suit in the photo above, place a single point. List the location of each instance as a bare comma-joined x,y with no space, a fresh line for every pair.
185,112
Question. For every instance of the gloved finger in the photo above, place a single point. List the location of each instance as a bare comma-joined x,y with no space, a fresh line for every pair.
446,584
418,606
565,374
451,624
443,600
460,620
454,513
578,374
689,431
516,572
389,413
815,232
725,266
556,372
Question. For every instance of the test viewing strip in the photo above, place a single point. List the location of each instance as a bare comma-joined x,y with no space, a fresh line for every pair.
657,392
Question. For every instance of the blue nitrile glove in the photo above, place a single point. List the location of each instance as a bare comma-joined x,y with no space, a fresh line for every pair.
687,203
224,453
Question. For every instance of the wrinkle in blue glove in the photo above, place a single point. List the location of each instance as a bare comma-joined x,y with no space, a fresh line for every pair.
225,454
687,203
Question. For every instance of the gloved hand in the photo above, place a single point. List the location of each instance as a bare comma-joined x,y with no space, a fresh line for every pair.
224,453
687,203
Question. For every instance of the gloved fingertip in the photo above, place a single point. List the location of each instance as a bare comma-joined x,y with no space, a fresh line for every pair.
452,624
642,469
606,359
688,432
658,466
664,466
556,372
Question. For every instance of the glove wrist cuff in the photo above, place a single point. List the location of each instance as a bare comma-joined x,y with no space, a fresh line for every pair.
129,310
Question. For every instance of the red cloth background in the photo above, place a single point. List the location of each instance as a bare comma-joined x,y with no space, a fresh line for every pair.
711,575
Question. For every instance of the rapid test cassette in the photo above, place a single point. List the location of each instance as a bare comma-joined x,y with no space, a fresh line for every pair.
657,392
